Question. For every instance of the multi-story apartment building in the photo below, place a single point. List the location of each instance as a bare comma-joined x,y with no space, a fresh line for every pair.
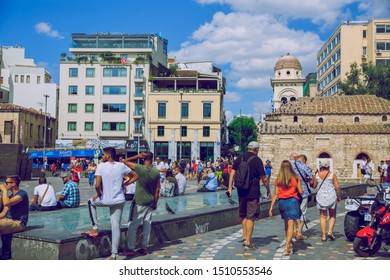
186,110
25,84
352,41
103,91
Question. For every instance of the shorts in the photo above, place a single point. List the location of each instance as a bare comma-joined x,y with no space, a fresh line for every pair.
249,208
303,208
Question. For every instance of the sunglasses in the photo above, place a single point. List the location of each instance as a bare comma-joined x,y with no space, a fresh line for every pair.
8,182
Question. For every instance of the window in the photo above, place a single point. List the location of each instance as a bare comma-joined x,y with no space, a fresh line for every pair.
31,129
295,118
114,126
162,110
16,79
206,131
383,28
89,108
73,72
138,90
138,109
207,151
114,108
384,118
72,108
321,120
39,131
72,126
138,127
124,55
384,46
206,110
284,100
139,73
364,33
115,90
161,150
8,127
28,79
293,99
356,119
160,131
22,78
88,126
114,72
90,72
89,90
184,110
72,90
184,131
364,50
185,150
38,79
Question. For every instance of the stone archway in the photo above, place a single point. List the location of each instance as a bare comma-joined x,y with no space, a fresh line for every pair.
322,155
358,160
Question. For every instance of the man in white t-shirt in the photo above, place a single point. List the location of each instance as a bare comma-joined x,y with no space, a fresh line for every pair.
44,197
181,182
109,193
161,167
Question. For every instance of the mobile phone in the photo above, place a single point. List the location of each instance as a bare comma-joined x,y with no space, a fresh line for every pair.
227,194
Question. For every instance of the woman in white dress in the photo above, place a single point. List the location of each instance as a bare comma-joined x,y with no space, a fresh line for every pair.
328,196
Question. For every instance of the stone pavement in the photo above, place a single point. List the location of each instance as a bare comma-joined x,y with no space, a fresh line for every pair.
225,244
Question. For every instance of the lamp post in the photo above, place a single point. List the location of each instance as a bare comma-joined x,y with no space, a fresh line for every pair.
44,134
139,132
181,115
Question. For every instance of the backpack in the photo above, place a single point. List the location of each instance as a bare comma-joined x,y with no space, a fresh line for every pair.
242,175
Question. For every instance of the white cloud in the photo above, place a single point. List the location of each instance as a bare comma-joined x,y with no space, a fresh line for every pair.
249,45
318,11
374,9
229,116
261,108
45,28
232,97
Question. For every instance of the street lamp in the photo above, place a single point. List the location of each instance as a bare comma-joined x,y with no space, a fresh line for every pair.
181,115
44,134
139,130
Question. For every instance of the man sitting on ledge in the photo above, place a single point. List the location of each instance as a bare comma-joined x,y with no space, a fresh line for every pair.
14,216
211,184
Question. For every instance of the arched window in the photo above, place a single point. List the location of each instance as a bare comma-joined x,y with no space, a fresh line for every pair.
284,100
295,118
324,155
293,99
356,119
384,118
321,120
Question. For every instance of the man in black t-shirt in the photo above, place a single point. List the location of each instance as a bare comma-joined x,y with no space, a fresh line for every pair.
249,199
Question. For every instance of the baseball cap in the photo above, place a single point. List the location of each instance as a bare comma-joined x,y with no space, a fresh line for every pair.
253,145
64,174
324,163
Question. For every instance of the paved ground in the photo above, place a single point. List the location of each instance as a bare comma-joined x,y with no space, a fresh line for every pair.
225,244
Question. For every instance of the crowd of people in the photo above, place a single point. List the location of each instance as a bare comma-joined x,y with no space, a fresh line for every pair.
116,181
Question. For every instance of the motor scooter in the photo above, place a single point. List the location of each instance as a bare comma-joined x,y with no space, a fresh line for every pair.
368,240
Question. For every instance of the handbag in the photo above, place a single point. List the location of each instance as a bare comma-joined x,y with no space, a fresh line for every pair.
308,188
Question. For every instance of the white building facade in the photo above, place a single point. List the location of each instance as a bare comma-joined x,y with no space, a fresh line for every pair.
103,92
25,84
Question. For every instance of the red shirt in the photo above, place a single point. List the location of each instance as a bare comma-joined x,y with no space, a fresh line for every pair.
75,177
289,192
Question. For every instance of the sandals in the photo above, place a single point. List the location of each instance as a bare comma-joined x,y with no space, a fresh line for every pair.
287,252
91,233
250,246
331,236
300,237
323,239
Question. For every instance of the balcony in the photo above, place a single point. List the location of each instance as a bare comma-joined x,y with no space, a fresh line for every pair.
139,96
138,115
139,78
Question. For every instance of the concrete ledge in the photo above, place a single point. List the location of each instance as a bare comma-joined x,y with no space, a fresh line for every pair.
35,244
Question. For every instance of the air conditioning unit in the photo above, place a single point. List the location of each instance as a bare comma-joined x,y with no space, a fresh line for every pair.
364,56
378,51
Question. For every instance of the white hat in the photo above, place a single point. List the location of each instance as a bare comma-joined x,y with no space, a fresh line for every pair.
324,163
253,145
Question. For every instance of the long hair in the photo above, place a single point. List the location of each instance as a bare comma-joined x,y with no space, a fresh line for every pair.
286,172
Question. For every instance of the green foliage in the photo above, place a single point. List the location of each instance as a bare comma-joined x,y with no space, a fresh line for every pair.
242,130
367,79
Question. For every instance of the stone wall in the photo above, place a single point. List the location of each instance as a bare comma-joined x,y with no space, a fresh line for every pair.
343,148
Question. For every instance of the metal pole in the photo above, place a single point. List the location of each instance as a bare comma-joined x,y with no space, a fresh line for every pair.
181,114
44,134
139,132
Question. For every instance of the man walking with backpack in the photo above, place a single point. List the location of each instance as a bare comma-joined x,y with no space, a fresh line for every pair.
247,171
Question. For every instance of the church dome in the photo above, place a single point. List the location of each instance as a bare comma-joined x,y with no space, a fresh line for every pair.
288,61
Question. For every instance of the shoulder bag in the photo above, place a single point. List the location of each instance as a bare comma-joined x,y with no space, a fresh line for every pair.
43,196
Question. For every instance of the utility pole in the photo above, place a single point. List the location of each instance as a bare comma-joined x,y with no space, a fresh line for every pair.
44,133
181,115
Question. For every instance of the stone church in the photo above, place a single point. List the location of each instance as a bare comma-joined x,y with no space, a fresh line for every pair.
340,128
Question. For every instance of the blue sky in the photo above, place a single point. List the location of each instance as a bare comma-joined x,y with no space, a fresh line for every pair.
243,37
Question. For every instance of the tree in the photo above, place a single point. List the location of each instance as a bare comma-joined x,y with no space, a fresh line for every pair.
63,56
367,79
242,130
